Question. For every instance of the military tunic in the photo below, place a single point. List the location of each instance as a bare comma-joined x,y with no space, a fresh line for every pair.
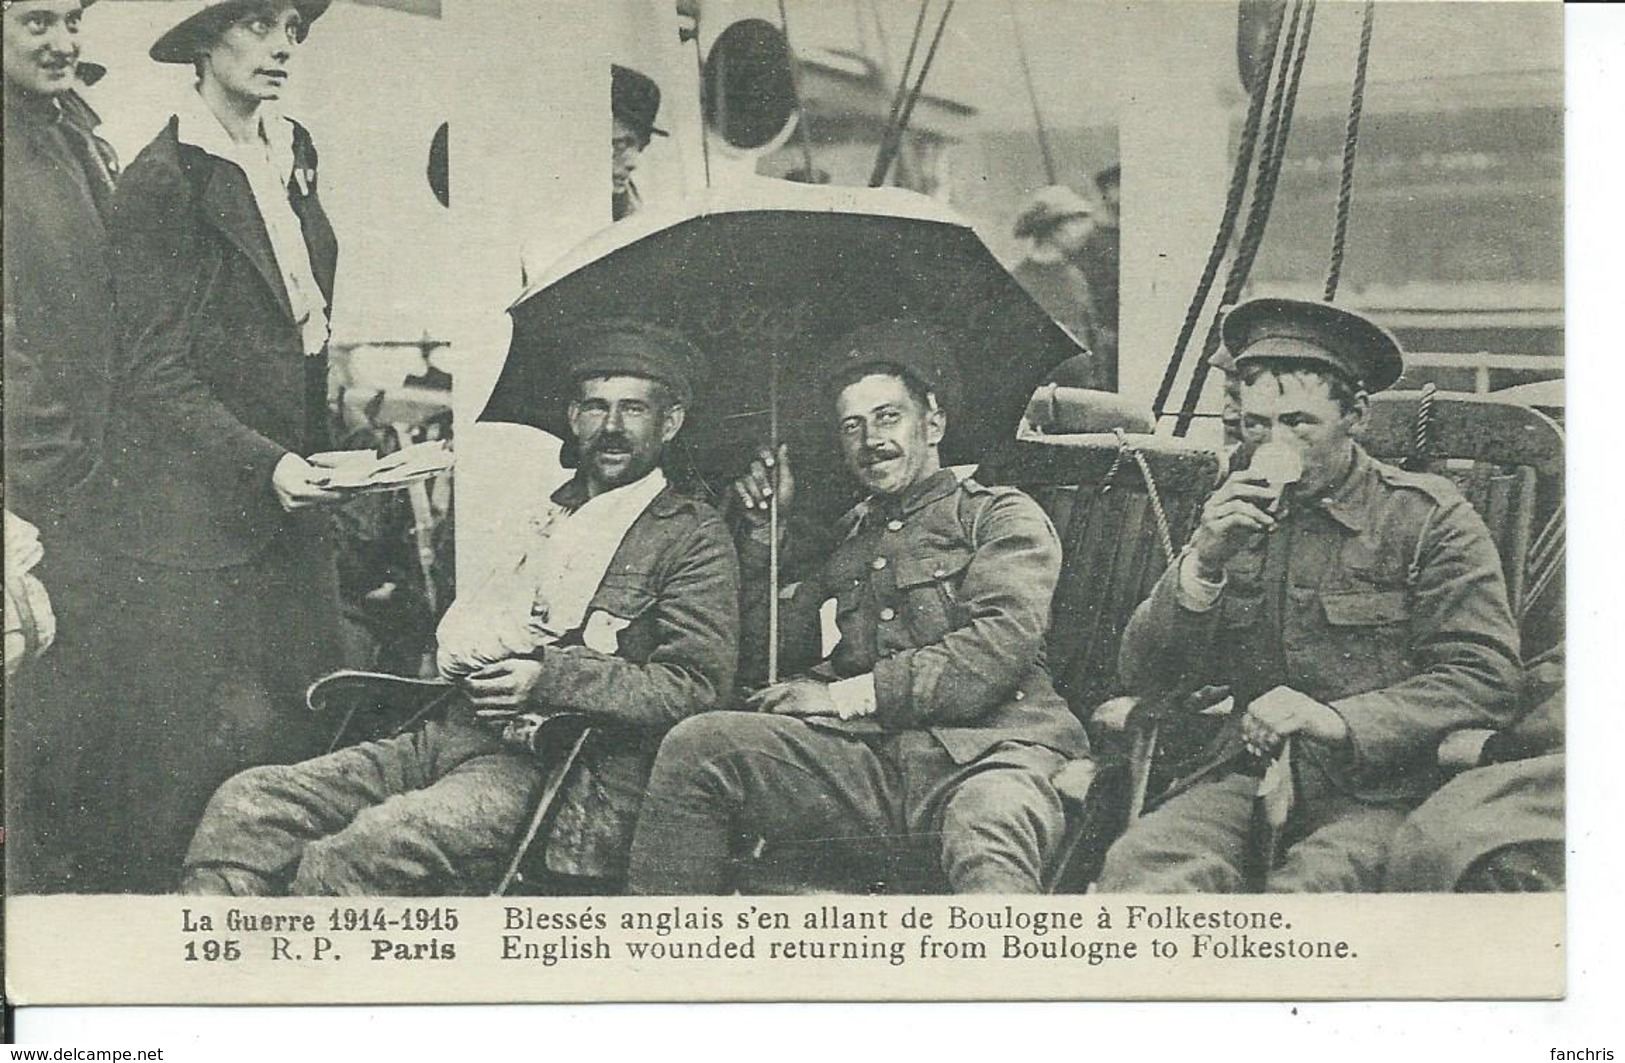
1385,600
942,596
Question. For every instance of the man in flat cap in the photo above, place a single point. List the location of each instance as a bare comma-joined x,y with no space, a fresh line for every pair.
1356,612
59,349
920,706
635,108
620,605
1057,223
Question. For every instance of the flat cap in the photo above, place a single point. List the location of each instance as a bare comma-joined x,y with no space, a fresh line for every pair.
1299,330
913,348
632,347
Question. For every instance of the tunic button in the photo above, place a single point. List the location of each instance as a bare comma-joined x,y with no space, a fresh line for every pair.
878,563
939,572
888,613
894,525
1020,695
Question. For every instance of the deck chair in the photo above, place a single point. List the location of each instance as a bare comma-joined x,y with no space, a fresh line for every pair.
1508,462
1124,505
370,706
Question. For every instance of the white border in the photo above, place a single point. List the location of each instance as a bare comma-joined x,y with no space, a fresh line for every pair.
1484,1033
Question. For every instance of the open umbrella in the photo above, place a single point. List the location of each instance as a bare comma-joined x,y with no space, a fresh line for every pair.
763,278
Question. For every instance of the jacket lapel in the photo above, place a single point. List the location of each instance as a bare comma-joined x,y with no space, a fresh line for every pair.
228,205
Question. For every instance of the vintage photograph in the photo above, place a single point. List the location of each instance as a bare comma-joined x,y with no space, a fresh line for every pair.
1034,456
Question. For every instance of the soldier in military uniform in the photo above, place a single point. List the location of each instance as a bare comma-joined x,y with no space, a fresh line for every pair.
920,704
1358,618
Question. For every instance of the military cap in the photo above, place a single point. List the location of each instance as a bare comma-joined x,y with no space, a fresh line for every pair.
634,98
631,347
1299,330
919,351
189,36
1049,207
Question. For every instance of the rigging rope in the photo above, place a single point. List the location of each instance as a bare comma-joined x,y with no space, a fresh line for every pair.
883,164
1351,141
877,174
1278,131
1227,222
1032,97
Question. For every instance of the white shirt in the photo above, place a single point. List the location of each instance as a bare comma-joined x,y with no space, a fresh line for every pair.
268,164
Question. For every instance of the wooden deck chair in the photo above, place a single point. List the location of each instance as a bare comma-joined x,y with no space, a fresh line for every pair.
1508,461
1124,505
371,706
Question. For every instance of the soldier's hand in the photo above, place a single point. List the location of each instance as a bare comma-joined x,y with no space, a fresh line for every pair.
798,697
503,688
1283,712
1233,516
768,473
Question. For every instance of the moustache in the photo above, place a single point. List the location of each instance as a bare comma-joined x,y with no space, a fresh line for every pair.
614,441
878,455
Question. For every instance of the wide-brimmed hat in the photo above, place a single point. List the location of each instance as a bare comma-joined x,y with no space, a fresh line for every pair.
184,40
634,98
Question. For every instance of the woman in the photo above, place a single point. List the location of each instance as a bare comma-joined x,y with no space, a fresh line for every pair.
223,261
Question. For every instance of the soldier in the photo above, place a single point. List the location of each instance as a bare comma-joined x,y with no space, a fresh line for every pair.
920,703
622,607
1358,617
59,344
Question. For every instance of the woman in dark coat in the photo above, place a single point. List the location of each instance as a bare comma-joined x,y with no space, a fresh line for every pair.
228,596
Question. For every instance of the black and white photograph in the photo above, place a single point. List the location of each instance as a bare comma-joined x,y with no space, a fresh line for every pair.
944,478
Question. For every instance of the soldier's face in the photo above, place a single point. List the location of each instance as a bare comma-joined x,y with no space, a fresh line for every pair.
1298,410
889,440
41,51
251,60
622,424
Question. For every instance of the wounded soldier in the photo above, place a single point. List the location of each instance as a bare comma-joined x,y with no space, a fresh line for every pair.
623,607
922,706
1357,612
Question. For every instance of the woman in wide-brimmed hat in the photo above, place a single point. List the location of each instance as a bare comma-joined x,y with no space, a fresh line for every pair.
224,263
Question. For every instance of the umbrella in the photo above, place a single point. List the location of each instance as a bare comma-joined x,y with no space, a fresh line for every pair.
763,278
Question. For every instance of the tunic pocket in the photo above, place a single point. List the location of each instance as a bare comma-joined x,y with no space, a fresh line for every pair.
1364,608
929,589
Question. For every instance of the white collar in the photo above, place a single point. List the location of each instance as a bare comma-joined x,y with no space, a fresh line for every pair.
198,126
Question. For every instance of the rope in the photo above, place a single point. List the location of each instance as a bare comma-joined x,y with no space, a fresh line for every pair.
1276,135
1032,97
1422,441
1153,495
1546,558
1351,142
1227,222
878,174
884,164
